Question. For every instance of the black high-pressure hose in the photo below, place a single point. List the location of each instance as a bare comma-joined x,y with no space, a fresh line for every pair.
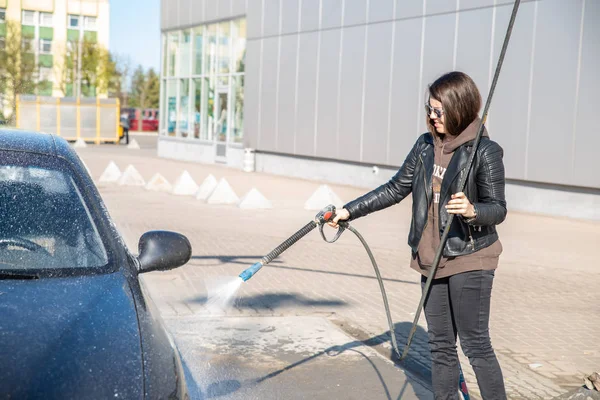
383,294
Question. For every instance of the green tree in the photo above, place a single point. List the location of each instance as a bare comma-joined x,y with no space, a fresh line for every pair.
99,72
18,69
145,88
153,88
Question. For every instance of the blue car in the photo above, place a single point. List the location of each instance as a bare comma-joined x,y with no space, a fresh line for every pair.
75,322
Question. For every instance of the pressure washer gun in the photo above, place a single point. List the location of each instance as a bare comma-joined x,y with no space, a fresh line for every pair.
324,216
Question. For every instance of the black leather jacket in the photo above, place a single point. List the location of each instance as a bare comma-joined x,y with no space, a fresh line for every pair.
484,188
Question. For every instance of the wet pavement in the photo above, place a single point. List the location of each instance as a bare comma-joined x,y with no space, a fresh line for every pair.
285,358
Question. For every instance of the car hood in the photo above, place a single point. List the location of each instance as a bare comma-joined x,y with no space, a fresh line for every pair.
74,337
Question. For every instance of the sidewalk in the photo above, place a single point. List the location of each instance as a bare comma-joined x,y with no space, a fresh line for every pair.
545,305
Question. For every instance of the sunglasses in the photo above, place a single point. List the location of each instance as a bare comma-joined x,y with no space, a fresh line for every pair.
438,111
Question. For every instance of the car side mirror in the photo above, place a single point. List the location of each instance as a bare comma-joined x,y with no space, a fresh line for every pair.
163,250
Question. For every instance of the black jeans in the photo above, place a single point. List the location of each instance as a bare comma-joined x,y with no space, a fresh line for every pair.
461,303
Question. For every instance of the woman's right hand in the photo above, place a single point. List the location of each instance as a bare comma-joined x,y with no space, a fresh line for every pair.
342,214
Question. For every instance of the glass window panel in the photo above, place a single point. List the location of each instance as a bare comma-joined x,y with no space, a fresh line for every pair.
209,104
221,108
2,14
184,109
163,94
237,120
210,52
45,46
223,82
239,51
90,23
197,110
45,19
28,17
171,116
164,55
224,41
74,21
198,46
184,51
172,50
221,114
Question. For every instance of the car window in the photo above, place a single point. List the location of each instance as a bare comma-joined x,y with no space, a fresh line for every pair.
44,221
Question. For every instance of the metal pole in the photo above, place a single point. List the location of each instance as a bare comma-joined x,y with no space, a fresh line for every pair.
79,51
461,184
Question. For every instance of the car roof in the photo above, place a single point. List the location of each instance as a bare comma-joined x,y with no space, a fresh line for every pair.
35,142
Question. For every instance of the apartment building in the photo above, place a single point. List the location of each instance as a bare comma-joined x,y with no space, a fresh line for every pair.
52,28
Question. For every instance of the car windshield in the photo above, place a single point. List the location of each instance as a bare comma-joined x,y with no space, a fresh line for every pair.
44,220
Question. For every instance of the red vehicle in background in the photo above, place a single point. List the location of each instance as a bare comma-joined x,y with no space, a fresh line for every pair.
145,120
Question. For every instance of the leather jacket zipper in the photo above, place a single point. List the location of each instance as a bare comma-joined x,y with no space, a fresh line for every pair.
471,237
425,182
426,197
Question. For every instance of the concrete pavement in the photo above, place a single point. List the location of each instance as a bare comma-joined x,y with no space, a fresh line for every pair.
545,305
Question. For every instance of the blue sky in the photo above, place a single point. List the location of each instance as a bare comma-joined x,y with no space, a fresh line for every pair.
135,31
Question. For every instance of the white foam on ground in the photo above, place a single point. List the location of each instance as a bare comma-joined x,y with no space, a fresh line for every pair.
321,198
112,173
223,194
206,188
185,185
80,143
133,145
131,177
159,183
253,200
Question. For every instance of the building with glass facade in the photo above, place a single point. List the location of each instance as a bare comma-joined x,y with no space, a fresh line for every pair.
202,90
52,29
327,89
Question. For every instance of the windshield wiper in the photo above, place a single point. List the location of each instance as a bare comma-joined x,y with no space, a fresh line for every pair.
5,275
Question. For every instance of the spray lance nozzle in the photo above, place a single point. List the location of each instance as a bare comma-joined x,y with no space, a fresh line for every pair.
249,272
324,216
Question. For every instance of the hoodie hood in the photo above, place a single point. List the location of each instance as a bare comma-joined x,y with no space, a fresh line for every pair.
454,142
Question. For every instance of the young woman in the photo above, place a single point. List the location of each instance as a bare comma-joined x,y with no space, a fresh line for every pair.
459,299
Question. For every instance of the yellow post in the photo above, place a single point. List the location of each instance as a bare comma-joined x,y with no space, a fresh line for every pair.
37,111
97,120
78,118
58,116
118,112
18,112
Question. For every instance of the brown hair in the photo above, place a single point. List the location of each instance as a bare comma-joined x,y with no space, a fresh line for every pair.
460,99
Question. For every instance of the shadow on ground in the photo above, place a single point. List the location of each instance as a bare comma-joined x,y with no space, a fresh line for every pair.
271,301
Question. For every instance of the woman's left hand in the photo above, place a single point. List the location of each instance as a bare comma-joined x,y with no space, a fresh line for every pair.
459,204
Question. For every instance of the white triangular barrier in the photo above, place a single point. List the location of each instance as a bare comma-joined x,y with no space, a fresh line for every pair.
112,173
206,188
131,177
159,183
322,197
79,143
133,145
223,194
253,200
185,185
